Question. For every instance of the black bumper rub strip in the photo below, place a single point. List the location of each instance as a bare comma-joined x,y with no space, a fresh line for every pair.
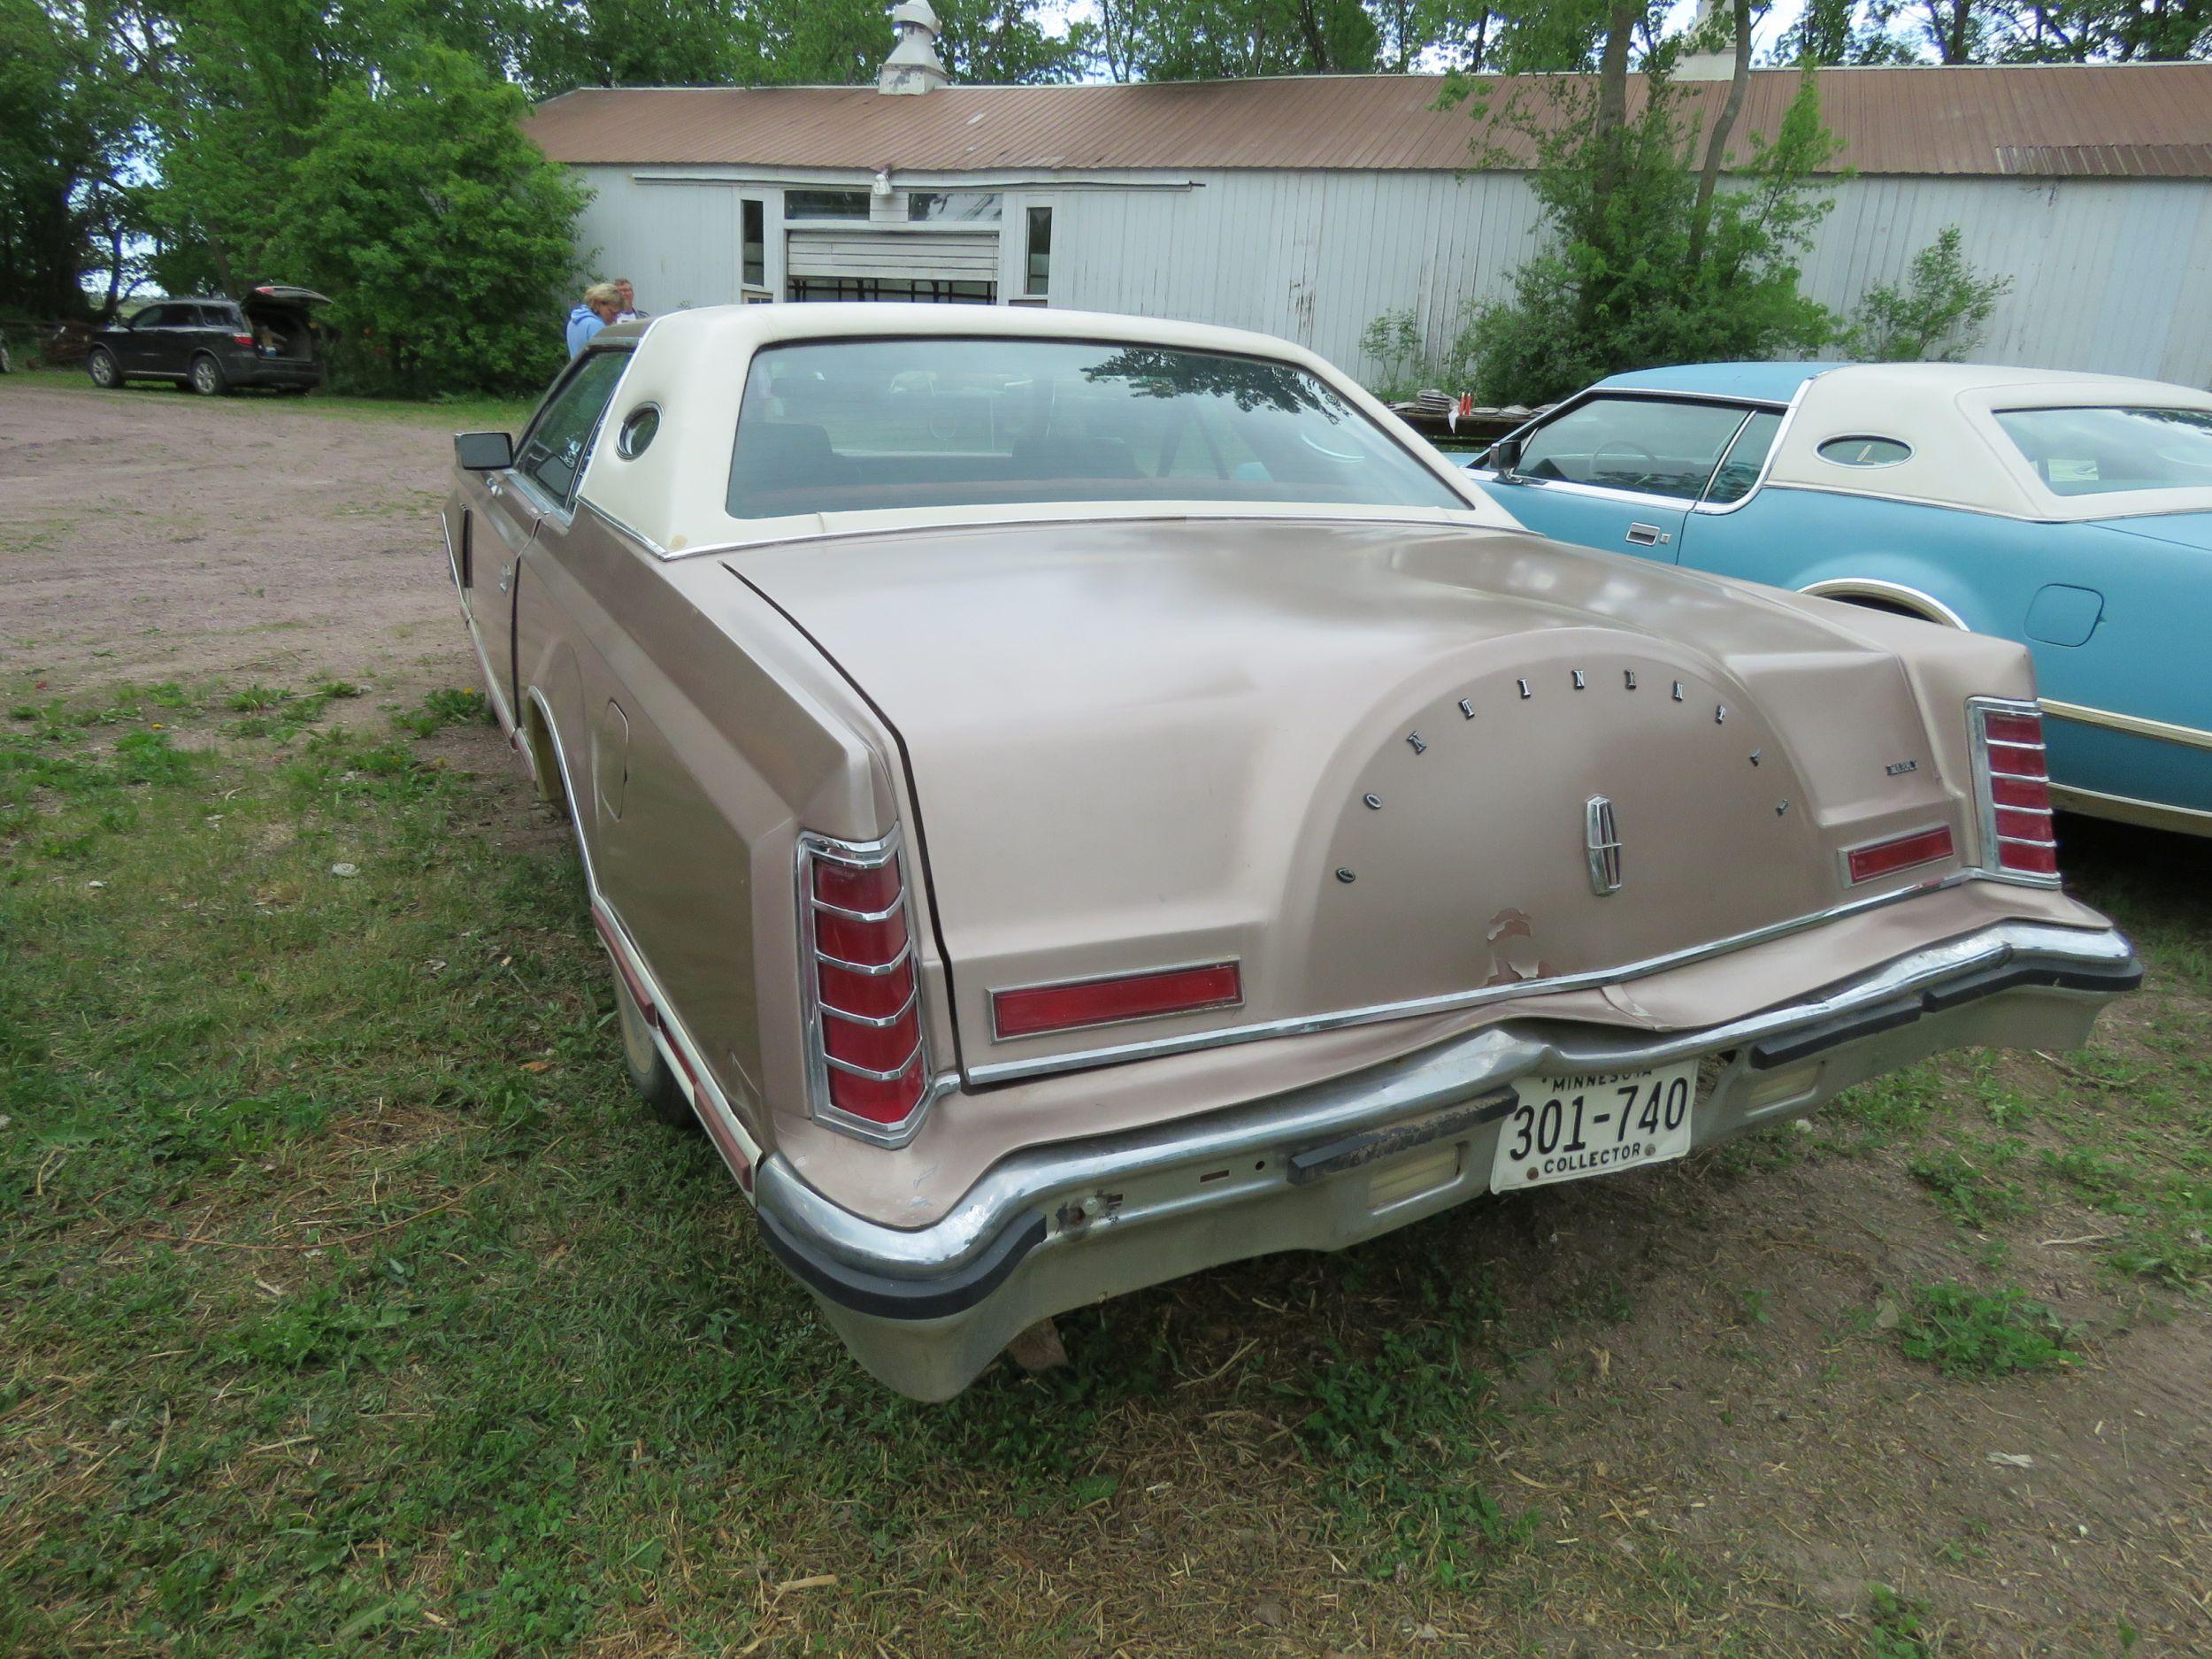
1349,1152
1941,999
887,1298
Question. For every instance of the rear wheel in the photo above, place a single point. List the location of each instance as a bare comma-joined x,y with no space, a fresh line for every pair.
649,1073
207,377
100,365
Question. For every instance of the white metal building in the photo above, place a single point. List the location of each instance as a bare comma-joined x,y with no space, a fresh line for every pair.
1306,207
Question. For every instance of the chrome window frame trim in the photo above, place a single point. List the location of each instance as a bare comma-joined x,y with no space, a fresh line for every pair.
1455,1001
935,1085
1750,406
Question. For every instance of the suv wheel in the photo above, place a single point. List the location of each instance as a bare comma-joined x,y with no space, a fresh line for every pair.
207,377
101,366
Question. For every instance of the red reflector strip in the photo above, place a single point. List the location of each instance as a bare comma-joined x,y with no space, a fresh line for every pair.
2017,760
870,944
1034,1009
2032,793
2013,728
2023,825
873,1048
878,1100
875,995
1884,858
2038,858
851,887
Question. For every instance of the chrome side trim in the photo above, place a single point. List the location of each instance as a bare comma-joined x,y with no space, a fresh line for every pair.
2121,809
681,1053
1453,1002
1045,1178
1930,608
2135,724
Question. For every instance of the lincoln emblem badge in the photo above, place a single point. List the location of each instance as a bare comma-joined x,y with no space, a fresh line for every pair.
1602,840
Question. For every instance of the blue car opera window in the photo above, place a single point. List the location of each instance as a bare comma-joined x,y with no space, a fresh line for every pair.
1862,450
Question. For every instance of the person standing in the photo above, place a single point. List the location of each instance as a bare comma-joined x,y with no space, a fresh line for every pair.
629,313
602,303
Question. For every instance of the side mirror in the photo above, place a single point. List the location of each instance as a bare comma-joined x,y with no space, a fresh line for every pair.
1504,456
484,452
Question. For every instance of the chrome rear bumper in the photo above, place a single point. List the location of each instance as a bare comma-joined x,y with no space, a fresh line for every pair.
1053,1228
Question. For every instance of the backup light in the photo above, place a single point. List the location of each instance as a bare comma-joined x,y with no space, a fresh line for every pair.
867,1054
2012,775
1031,1010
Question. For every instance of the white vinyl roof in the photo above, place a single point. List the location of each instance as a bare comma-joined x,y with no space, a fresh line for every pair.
1961,457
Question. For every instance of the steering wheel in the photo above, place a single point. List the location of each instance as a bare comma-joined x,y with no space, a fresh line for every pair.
1621,443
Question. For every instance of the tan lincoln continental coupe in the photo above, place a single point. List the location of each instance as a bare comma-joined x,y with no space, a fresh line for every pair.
1072,800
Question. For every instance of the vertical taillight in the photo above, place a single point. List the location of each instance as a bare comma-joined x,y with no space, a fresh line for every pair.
869,1059
2014,781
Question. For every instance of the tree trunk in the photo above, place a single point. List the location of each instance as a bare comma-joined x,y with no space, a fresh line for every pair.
1717,142
1611,115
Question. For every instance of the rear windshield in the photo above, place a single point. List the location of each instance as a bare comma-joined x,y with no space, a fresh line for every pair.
2088,451
849,425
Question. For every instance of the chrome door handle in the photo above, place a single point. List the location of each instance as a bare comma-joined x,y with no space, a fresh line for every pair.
1648,535
506,575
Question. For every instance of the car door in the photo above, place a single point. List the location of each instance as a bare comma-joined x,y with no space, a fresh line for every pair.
1617,471
505,508
141,349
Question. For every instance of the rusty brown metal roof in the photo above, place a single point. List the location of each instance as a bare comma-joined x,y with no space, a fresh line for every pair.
2106,121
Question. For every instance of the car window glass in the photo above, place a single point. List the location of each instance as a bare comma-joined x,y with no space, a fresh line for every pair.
159,315
2087,452
1740,468
848,424
554,448
1648,444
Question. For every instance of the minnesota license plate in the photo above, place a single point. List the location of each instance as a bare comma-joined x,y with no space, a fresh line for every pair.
1593,1123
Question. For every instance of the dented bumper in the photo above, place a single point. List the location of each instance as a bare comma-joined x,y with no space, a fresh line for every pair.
926,1308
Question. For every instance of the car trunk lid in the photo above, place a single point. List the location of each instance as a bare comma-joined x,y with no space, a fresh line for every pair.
1359,761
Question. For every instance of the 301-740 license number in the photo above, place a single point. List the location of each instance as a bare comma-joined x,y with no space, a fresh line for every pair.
1593,1123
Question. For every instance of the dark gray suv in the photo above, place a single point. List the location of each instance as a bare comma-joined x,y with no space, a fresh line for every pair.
214,346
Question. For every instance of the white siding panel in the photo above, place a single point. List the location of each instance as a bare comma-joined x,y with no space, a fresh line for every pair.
2108,275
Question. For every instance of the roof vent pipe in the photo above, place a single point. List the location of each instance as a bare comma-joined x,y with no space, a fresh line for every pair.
913,65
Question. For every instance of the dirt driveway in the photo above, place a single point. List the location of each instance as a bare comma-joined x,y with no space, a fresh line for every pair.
1677,1412
147,535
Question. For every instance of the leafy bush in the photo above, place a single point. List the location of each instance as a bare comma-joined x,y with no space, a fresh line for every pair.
1393,343
1937,316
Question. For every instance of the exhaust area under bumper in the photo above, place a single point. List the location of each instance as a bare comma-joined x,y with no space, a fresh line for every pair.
924,1309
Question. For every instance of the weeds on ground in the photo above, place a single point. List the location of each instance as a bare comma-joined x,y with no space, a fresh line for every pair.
1900,1628
1968,1332
457,705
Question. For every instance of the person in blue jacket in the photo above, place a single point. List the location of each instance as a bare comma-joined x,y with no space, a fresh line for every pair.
602,303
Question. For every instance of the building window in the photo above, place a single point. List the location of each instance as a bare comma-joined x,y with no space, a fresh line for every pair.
825,204
1037,268
755,243
923,289
976,205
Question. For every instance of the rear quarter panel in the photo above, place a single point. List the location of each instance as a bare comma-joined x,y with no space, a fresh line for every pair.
726,756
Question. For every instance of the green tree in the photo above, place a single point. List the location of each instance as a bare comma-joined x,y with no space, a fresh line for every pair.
1666,244
1209,40
444,237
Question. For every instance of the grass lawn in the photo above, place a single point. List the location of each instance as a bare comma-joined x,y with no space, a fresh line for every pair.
353,1306
465,413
